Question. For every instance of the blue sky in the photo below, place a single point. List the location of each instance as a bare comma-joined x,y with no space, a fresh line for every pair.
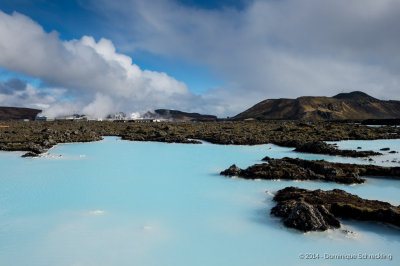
217,57
73,18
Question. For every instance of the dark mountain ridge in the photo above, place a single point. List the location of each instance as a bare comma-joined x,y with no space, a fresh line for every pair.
355,95
183,116
355,105
17,113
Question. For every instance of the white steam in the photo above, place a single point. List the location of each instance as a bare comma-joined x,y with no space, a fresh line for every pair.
100,107
135,115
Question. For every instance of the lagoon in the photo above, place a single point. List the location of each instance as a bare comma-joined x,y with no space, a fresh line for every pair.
116,202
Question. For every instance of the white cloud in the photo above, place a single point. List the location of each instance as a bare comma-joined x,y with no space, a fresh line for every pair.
266,49
285,48
15,92
93,72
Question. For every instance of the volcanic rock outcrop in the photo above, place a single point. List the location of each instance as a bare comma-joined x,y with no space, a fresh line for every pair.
318,210
320,147
298,169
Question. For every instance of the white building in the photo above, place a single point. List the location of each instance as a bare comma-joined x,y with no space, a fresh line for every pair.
44,118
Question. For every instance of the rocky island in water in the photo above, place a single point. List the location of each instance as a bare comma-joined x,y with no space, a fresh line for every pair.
318,210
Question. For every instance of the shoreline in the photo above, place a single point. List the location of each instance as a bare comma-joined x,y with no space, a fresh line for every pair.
36,137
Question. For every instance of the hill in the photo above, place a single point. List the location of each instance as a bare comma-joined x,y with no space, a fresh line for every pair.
183,116
16,113
353,106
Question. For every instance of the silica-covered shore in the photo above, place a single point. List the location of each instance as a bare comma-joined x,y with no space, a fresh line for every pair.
36,137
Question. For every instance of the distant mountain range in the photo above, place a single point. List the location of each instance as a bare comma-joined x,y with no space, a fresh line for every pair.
17,113
353,106
344,106
183,116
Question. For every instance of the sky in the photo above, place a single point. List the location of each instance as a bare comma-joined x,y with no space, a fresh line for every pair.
215,57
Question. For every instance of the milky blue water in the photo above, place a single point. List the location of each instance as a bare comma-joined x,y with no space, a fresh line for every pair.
117,202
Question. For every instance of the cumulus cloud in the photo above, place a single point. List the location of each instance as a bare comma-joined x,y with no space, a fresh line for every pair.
92,72
16,92
12,85
267,49
261,49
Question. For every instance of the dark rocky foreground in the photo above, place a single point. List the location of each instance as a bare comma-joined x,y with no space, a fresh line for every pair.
298,169
38,136
318,210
